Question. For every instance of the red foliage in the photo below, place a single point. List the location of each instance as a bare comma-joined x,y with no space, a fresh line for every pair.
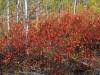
59,36
7,57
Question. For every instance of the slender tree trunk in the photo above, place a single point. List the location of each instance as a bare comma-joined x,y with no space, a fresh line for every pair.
75,4
8,19
26,21
26,15
17,10
26,9
8,15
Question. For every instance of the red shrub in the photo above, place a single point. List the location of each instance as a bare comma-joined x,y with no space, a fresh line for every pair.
57,37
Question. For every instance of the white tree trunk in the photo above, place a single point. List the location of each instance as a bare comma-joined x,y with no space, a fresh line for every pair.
17,10
26,15
75,4
20,7
26,9
25,20
8,15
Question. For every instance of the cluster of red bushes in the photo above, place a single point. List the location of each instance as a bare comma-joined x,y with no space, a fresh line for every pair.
58,39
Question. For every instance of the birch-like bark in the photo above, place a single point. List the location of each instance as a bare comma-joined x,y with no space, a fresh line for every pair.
25,20
75,4
17,11
20,7
26,9
8,15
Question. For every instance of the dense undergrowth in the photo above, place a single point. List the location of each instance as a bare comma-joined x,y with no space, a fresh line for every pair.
64,44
